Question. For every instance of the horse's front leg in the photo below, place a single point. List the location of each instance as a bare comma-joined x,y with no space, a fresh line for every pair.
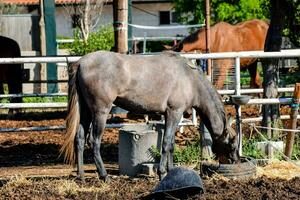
255,81
80,141
172,119
99,122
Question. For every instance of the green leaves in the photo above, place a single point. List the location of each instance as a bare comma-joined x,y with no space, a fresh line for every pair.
242,10
190,11
229,10
103,39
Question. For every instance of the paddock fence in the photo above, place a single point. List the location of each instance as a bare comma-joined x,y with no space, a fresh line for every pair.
236,91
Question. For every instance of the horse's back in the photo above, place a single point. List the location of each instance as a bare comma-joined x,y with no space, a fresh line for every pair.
145,82
11,73
245,36
252,33
9,48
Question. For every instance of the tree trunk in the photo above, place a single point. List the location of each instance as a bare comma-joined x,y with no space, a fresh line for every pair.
270,65
85,21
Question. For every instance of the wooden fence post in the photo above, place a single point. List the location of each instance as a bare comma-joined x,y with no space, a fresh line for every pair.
207,37
120,9
293,121
42,66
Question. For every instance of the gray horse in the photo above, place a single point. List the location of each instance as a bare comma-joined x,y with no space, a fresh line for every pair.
165,83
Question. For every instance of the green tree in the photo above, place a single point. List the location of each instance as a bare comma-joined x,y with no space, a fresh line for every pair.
285,20
237,11
293,22
232,11
190,11
193,11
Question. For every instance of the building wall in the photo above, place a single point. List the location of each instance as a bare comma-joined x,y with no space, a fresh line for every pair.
142,14
23,28
140,17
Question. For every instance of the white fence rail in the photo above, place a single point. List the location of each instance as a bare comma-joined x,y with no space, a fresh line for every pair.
243,54
237,90
236,55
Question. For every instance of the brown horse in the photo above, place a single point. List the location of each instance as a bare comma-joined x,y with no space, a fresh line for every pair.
245,36
10,73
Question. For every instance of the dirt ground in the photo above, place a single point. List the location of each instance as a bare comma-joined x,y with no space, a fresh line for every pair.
30,168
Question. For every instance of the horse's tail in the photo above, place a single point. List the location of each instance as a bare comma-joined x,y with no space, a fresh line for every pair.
73,117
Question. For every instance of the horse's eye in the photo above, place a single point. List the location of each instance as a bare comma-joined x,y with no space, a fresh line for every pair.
233,147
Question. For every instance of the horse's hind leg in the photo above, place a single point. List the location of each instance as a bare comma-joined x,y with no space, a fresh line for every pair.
14,83
85,122
172,119
99,122
80,141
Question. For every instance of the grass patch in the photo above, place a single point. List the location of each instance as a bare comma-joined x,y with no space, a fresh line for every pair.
190,154
44,99
187,155
39,99
250,150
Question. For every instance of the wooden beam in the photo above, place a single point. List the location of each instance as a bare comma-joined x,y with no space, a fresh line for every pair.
293,121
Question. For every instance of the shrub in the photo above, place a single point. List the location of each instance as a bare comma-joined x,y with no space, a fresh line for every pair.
103,39
64,45
189,154
250,150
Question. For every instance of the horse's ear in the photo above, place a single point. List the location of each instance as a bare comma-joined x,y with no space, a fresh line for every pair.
230,130
167,47
229,121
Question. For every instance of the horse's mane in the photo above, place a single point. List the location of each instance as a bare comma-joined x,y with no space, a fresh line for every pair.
211,90
220,108
189,39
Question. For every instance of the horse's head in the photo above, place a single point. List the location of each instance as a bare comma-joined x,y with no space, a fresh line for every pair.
227,147
191,43
177,47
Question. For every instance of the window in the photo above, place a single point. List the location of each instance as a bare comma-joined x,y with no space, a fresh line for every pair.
164,17
168,17
75,21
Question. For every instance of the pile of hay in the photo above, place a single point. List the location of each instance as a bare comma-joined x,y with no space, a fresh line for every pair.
280,169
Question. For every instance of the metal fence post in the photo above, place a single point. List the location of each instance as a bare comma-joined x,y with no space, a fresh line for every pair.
237,107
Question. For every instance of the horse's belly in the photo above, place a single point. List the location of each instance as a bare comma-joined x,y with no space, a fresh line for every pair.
140,105
245,62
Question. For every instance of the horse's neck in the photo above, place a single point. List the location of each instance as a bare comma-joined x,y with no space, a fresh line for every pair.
195,42
211,111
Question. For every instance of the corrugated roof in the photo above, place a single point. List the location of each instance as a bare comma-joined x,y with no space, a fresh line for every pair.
36,2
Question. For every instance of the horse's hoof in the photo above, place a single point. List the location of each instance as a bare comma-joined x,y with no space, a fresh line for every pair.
161,176
81,178
106,179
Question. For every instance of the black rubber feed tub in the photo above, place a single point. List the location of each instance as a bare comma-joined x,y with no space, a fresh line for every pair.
245,169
